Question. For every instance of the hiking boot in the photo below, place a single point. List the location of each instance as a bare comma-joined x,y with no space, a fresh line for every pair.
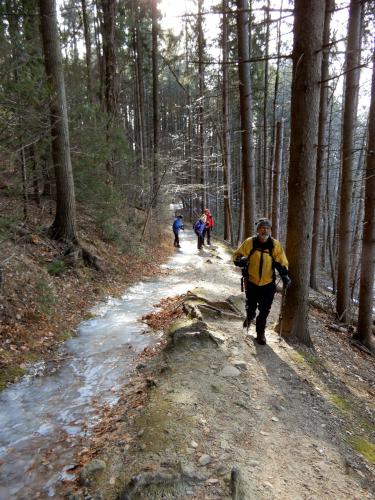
261,339
246,323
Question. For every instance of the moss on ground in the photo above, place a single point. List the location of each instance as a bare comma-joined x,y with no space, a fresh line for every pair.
364,447
340,402
10,374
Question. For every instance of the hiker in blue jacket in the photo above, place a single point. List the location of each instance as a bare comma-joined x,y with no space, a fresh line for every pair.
199,228
176,227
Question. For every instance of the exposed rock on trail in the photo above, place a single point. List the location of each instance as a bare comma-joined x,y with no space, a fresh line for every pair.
227,418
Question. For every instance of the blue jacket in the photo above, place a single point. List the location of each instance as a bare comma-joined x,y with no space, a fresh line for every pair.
177,225
199,227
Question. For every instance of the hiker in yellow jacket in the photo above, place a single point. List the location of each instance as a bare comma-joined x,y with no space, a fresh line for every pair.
260,255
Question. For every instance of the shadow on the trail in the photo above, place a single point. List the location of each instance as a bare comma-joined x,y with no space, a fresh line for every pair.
303,409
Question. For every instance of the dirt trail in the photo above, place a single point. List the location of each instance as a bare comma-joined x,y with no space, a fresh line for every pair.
227,418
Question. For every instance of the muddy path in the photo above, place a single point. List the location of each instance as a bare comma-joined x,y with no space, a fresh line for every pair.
222,417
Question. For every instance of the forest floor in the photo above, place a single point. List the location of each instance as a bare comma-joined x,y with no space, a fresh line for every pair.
210,414
44,295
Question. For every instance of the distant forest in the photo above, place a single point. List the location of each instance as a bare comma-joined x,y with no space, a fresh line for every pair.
273,116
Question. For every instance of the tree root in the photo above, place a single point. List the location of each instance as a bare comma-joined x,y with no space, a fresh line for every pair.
362,347
76,252
145,479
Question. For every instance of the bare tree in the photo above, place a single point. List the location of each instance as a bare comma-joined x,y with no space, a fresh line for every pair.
248,169
64,225
308,36
201,87
87,35
228,228
108,32
322,149
353,53
155,100
366,291
276,179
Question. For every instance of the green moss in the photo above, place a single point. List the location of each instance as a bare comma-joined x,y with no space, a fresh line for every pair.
364,447
65,335
9,375
297,357
302,356
45,297
56,267
7,226
311,359
161,432
88,315
340,402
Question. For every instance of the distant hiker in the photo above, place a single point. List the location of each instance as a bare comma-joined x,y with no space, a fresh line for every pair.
209,226
260,255
176,227
199,228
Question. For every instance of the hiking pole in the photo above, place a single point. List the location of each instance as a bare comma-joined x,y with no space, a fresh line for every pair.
283,296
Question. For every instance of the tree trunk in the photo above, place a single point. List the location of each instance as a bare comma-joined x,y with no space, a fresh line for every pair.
228,227
64,225
32,160
248,170
155,100
366,291
321,155
267,178
353,53
274,105
108,36
98,28
308,36
201,87
276,179
86,31
140,96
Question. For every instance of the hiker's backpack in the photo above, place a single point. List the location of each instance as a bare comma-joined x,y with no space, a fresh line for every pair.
257,246
177,225
199,227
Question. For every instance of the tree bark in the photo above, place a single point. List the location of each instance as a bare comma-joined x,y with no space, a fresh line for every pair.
108,32
201,87
308,35
248,169
267,178
64,225
228,227
322,149
366,291
155,100
87,36
353,53
277,179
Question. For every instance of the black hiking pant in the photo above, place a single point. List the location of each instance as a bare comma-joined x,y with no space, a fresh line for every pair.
200,240
260,297
207,232
176,242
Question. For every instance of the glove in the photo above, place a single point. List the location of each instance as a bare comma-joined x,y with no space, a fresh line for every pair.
241,262
286,281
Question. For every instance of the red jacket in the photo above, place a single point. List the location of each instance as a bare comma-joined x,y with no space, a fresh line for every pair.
209,220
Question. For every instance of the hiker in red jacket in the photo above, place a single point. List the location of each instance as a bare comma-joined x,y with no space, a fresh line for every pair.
209,226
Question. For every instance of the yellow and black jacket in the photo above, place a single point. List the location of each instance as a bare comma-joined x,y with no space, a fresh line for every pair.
263,259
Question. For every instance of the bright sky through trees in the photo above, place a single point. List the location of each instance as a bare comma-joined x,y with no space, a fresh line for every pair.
173,11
